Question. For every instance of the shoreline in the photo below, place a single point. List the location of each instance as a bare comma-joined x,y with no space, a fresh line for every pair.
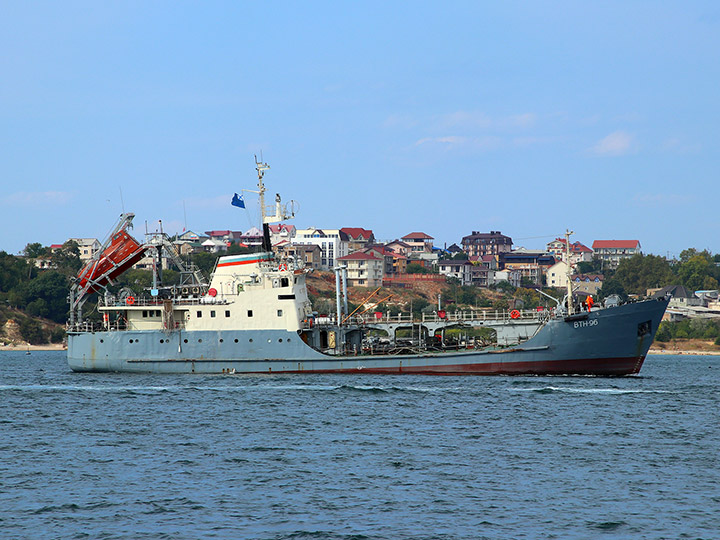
28,347
689,352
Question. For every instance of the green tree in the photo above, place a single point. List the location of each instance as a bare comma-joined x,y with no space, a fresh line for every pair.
692,273
418,305
47,294
35,250
641,272
590,267
505,286
612,286
67,259
236,249
663,334
416,268
13,271
32,332
205,262
57,335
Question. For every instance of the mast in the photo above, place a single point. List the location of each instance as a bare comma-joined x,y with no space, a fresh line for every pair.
261,167
568,232
281,212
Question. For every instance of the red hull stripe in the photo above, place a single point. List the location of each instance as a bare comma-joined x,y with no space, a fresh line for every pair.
236,263
585,366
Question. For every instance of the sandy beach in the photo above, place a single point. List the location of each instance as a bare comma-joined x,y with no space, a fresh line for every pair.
26,347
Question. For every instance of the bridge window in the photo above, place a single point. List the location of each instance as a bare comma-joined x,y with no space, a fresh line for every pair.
227,313
199,314
250,313
212,314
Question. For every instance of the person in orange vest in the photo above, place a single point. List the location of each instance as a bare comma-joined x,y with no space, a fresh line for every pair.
589,302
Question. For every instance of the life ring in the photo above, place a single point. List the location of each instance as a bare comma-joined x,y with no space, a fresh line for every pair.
185,290
212,291
283,267
130,300
514,314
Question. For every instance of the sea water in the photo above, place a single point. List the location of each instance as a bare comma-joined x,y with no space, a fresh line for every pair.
104,456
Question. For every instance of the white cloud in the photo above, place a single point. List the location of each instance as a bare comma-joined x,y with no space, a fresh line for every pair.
465,119
680,146
37,198
616,144
533,141
480,120
455,141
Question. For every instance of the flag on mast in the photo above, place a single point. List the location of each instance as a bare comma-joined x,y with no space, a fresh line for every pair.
238,201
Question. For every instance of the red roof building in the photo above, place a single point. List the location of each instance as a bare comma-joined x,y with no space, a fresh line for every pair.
419,242
611,252
364,269
358,238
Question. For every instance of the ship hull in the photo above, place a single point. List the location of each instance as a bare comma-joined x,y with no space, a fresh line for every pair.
610,341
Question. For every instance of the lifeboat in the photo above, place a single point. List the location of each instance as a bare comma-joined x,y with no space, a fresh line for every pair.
121,253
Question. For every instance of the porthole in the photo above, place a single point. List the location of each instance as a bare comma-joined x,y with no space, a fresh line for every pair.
184,340
102,341
250,340
162,341
280,340
269,340
288,340
199,340
236,340
221,340
131,341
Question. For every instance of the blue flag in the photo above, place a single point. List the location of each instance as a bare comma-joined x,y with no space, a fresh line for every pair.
238,201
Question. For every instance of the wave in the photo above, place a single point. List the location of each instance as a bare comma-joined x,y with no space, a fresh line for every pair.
572,390
153,388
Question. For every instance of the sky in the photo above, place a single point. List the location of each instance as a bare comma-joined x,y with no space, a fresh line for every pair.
528,118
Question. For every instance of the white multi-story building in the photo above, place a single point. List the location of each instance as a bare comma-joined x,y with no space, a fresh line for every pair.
333,244
364,268
88,247
578,251
611,252
556,275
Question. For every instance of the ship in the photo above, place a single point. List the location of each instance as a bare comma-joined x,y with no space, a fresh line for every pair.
254,316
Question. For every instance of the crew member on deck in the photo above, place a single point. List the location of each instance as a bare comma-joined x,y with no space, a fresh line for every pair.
589,302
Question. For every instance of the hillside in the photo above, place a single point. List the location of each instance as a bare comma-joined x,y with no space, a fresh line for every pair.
19,330
321,288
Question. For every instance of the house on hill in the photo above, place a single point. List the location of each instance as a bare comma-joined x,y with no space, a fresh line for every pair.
588,284
419,242
611,252
530,264
310,254
358,238
281,234
492,243
332,242
398,246
88,247
229,237
363,269
578,252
